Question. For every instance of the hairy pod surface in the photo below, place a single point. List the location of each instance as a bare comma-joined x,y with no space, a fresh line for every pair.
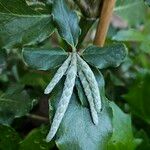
59,74
89,95
92,82
65,98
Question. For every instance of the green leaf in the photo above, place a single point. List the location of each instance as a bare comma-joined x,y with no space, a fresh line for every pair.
21,25
35,79
2,60
44,59
145,46
110,56
14,103
85,24
147,2
122,137
138,96
129,35
131,11
145,143
67,22
77,123
78,131
9,138
80,93
35,140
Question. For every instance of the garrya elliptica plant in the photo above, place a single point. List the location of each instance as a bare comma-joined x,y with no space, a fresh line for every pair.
74,65
81,117
69,67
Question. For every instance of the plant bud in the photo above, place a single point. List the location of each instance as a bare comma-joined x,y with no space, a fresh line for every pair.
92,82
59,74
65,98
89,96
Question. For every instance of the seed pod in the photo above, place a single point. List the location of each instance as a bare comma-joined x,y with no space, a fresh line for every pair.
89,95
92,82
65,98
59,74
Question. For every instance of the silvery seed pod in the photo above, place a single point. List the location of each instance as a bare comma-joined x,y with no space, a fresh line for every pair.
65,98
92,82
89,95
59,74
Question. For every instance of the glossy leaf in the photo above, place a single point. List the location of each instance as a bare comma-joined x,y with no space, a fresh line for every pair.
36,140
122,137
67,22
9,138
110,56
14,103
44,59
21,25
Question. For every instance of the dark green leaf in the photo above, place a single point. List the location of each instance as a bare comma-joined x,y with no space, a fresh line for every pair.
35,79
67,22
110,56
78,131
80,92
44,59
35,140
138,96
145,143
9,138
14,103
122,137
2,60
20,25
85,25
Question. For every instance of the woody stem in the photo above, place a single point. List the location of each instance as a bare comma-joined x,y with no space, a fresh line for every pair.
104,21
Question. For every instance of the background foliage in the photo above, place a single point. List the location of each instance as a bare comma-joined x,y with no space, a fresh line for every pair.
28,33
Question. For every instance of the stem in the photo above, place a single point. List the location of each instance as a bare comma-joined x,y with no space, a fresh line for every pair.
104,21
37,117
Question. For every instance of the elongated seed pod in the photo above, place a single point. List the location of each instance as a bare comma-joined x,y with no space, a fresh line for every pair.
65,98
59,74
92,81
89,95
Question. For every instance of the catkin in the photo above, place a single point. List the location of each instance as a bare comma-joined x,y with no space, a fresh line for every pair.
92,82
60,72
65,98
89,95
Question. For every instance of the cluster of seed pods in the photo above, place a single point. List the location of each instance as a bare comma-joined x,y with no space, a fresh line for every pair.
72,66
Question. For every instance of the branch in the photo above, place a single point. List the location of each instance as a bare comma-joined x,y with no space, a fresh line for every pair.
104,21
37,117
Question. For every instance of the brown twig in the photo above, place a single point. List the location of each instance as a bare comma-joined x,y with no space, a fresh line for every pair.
103,25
